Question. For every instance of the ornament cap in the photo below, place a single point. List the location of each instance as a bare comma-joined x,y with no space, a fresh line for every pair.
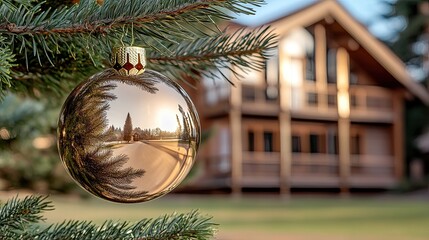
129,60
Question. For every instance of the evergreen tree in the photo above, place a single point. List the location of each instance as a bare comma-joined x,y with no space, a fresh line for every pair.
412,44
47,47
128,128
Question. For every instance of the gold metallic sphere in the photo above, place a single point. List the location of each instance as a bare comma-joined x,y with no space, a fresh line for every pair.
128,138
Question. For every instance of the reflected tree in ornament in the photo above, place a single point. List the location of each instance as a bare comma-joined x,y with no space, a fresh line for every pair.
185,133
128,128
85,134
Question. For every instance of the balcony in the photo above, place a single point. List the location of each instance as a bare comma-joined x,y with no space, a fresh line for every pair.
308,170
261,169
371,104
315,170
215,100
260,100
371,171
311,103
367,103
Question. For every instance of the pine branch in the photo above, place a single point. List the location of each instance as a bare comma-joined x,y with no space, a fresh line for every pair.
17,214
42,39
243,48
160,19
6,63
19,219
89,17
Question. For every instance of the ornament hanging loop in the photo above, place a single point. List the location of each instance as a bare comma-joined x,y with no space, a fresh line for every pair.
125,33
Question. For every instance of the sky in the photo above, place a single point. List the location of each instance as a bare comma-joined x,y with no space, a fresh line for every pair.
368,12
147,111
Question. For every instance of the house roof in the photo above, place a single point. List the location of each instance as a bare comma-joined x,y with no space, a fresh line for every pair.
331,11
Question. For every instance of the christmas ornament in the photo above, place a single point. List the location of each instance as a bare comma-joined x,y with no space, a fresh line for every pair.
128,134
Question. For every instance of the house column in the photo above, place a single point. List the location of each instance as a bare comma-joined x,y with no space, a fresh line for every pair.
320,62
285,124
343,100
398,136
236,138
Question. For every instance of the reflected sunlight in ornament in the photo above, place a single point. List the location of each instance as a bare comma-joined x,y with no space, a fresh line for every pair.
167,119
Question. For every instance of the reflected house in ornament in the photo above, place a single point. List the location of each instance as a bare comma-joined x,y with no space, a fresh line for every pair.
326,113
136,137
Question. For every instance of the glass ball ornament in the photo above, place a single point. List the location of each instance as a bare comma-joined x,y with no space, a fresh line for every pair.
128,134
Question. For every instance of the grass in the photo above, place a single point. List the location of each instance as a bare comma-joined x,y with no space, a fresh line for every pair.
270,218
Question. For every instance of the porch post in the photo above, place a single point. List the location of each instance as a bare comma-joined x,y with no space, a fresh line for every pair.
343,101
398,136
236,139
285,153
285,125
320,62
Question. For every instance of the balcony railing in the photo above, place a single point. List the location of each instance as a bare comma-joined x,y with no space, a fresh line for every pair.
315,164
371,102
261,163
257,164
218,165
372,171
258,99
262,169
366,102
376,165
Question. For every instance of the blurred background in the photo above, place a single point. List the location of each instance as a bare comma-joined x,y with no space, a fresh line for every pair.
330,141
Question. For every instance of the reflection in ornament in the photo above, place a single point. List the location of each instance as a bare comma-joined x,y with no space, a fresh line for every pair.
114,143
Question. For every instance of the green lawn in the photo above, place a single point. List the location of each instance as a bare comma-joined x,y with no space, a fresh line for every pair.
270,217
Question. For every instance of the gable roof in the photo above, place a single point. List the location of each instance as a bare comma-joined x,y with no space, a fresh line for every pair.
376,49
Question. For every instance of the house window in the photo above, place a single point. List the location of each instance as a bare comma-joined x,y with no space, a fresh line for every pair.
355,144
332,65
332,100
251,141
312,99
332,143
353,100
314,143
268,141
248,93
272,76
353,78
310,67
296,144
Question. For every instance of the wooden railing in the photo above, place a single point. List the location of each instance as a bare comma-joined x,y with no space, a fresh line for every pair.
260,100
257,164
370,98
308,97
262,169
366,102
371,103
218,165
315,163
376,165
260,93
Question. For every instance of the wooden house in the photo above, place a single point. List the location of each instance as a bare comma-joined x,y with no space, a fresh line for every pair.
327,112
